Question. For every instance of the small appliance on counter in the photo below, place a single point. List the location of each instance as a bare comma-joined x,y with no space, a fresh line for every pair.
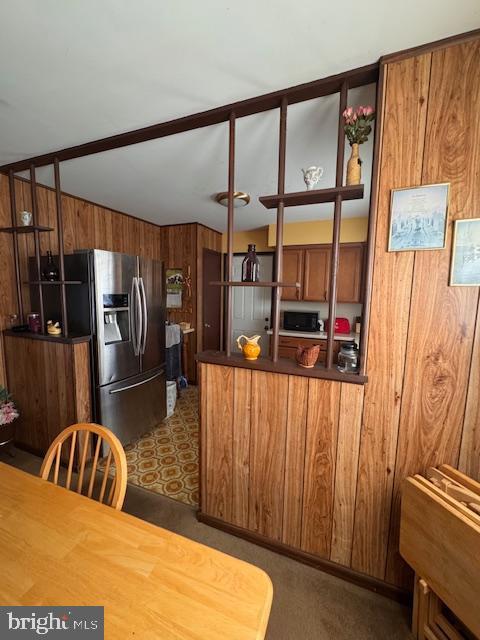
342,325
307,321
348,358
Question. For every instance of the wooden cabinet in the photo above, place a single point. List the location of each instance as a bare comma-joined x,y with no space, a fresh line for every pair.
310,265
316,275
292,272
350,271
287,347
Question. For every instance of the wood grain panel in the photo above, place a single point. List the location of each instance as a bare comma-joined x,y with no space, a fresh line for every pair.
81,376
294,460
267,453
217,415
242,380
437,371
400,165
320,454
346,468
40,375
469,461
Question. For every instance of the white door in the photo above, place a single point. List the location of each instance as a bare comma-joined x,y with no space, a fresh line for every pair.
252,305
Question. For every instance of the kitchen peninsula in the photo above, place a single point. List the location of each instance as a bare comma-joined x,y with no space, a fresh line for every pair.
310,463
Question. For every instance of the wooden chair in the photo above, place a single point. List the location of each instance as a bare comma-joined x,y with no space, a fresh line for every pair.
81,433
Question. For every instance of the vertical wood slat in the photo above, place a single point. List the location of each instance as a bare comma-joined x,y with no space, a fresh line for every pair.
83,460
16,256
217,450
57,463
337,215
320,454
33,191
400,164
277,291
71,459
105,476
372,217
94,467
436,369
242,399
267,453
297,404
58,204
231,189
469,459
346,467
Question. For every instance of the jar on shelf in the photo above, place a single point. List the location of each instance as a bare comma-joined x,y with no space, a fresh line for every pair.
251,266
34,322
348,358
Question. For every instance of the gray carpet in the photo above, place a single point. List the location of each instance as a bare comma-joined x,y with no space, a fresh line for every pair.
307,604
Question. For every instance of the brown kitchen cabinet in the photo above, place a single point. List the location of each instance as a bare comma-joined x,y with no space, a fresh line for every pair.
292,272
310,265
316,274
287,347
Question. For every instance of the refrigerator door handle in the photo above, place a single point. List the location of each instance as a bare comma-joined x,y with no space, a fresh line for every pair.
137,384
139,317
133,324
144,316
135,316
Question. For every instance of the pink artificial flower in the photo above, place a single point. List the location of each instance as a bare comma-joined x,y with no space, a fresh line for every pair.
367,111
359,111
8,413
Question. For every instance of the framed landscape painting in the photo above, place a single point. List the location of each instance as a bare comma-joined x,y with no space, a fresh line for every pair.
418,218
465,267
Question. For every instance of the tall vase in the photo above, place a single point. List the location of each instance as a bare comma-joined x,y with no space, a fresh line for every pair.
354,166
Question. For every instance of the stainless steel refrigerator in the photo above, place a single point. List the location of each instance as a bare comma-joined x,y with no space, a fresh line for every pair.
121,303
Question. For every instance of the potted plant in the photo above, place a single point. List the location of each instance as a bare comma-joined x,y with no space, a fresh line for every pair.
8,413
357,129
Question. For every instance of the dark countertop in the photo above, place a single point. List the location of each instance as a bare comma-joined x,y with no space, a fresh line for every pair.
47,337
284,365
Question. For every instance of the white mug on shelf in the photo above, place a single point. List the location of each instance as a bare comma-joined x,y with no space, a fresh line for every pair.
26,218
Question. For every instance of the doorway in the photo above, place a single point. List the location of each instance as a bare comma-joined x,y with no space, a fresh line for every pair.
211,300
252,305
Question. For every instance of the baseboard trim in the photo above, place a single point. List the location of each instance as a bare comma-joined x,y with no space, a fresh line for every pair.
337,570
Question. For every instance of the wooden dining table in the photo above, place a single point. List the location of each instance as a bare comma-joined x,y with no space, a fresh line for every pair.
61,548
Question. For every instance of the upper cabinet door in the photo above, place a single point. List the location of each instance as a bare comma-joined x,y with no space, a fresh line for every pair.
316,274
350,270
292,272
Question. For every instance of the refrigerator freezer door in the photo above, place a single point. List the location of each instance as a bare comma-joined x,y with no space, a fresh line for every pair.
132,407
116,301
152,287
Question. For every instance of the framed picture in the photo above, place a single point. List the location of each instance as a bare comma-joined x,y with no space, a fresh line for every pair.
418,218
465,266
175,283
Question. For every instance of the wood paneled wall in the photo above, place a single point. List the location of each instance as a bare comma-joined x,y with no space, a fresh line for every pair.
184,244
319,465
52,387
90,226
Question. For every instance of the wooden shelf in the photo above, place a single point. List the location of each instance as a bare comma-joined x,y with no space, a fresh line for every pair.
54,282
317,196
235,283
25,229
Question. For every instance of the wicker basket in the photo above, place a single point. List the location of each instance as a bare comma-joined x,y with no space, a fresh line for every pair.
307,356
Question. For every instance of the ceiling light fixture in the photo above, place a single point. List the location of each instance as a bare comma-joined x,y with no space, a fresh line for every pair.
240,199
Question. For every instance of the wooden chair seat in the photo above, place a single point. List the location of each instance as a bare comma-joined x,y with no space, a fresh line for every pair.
82,437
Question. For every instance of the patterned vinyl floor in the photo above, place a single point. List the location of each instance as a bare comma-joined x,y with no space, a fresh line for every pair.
165,460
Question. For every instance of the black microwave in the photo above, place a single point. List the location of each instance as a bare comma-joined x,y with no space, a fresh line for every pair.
301,321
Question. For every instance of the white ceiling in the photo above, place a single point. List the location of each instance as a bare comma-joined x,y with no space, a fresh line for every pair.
75,71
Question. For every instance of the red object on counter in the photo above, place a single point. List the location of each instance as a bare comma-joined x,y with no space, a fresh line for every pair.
342,325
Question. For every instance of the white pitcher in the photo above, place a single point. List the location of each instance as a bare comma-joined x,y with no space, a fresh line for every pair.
311,176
